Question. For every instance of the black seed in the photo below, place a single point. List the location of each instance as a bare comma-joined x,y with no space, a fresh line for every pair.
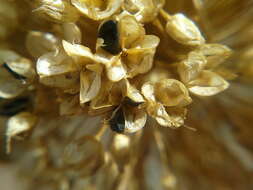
109,33
14,74
130,102
117,123
12,107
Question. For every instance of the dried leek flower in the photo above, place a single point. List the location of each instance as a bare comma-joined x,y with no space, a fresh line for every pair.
91,87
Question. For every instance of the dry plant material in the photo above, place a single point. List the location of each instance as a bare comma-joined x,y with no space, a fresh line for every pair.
117,64
18,127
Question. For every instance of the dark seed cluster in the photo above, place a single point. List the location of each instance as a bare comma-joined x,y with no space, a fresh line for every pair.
109,33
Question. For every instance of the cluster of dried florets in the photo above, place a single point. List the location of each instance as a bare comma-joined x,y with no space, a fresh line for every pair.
135,61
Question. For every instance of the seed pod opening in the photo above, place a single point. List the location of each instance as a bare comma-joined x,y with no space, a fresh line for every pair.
108,31
117,123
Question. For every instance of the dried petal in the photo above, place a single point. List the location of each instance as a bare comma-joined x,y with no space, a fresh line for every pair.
135,119
215,54
10,87
109,96
40,43
140,58
148,42
22,67
130,30
115,71
177,115
132,93
171,92
54,64
148,90
115,93
97,9
117,122
7,56
144,11
18,125
159,112
60,10
208,84
90,84
80,53
68,81
16,65
72,33
184,31
190,68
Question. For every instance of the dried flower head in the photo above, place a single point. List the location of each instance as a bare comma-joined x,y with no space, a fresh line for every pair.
96,85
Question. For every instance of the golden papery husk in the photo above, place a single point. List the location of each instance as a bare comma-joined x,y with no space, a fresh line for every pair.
58,11
184,31
135,119
97,9
159,66
144,11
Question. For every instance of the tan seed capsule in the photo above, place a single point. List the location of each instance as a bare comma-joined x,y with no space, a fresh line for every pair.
184,31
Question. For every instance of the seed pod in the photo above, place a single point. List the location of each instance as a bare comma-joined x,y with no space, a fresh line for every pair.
215,54
184,30
117,122
13,107
109,33
208,83
171,92
191,67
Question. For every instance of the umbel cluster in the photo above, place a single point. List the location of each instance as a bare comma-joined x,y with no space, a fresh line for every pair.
125,61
